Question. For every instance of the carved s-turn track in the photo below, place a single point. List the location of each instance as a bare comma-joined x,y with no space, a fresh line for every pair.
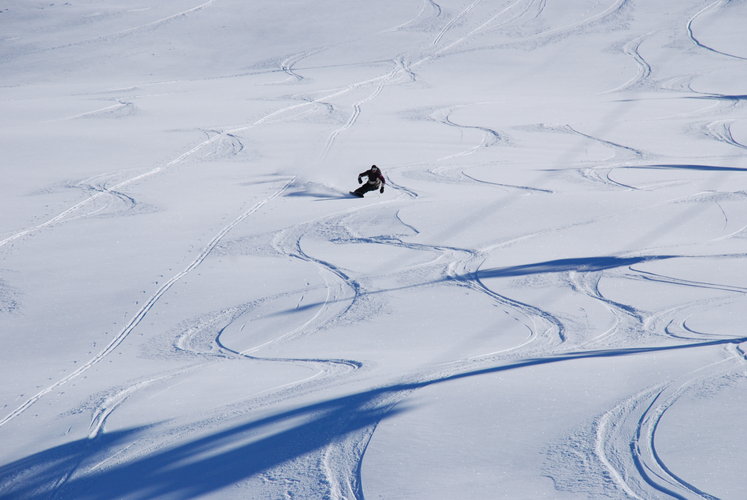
482,27
454,21
720,130
697,41
614,7
62,216
113,190
625,435
145,309
632,49
382,81
134,29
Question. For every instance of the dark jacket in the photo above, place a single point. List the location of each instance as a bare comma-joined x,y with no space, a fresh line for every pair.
375,177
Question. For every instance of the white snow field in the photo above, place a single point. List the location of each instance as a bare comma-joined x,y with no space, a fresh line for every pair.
548,300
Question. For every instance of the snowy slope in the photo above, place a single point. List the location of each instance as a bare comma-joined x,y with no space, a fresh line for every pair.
547,301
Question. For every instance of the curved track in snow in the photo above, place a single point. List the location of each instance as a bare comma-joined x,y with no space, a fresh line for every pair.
145,309
571,295
696,40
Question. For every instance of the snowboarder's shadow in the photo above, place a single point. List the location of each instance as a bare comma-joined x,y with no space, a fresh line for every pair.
320,196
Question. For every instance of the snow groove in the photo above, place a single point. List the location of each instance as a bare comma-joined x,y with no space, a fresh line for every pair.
618,453
721,131
530,189
551,315
647,460
120,109
434,7
632,152
696,40
232,132
627,320
145,309
135,29
550,326
380,84
448,26
632,49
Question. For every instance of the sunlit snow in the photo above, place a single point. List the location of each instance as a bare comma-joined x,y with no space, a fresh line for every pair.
547,300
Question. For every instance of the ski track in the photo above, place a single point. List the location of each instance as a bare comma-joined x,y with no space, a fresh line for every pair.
101,414
466,273
356,113
340,462
135,29
694,38
294,250
603,175
632,49
232,132
448,26
633,153
720,130
289,243
625,435
435,8
145,309
546,35
235,145
119,109
612,9
621,453
528,189
458,270
490,138
482,27
288,65
325,370
227,144
400,67
628,431
627,320
71,211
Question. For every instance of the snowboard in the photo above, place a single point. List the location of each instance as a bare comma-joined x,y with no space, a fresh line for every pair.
356,194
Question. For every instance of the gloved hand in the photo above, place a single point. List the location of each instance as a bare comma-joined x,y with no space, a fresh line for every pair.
381,190
360,181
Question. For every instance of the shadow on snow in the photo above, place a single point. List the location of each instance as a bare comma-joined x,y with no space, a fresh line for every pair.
210,463
707,168
580,265
197,467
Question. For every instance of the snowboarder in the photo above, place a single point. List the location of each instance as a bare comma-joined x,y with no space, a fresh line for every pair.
375,181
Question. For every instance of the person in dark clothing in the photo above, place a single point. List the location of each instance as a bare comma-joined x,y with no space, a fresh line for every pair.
375,181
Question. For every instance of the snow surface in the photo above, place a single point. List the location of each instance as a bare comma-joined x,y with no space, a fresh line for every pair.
548,300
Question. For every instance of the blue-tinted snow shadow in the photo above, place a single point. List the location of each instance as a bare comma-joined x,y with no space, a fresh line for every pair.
580,265
706,168
216,461
318,195
720,97
315,190
703,97
198,467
